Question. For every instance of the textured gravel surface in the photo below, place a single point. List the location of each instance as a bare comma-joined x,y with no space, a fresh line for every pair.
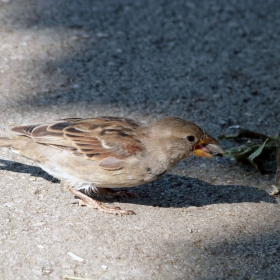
212,62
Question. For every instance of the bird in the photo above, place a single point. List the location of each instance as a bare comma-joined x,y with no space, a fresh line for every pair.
102,154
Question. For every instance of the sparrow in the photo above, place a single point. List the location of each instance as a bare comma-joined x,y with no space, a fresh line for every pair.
94,155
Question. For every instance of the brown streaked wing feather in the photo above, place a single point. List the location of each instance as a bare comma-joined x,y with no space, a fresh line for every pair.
49,133
111,163
58,126
55,126
25,130
101,137
95,138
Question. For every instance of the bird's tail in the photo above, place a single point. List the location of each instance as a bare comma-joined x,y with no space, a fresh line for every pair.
5,142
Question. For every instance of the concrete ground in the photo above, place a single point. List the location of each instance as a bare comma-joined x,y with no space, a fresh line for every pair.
212,62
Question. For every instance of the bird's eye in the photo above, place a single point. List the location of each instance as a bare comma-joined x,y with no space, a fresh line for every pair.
191,138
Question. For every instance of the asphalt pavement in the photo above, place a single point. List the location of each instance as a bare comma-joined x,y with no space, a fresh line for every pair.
212,62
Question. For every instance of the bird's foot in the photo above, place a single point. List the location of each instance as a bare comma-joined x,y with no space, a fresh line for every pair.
92,203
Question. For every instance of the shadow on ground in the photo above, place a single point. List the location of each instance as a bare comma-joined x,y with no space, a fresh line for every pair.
160,57
35,171
252,257
169,191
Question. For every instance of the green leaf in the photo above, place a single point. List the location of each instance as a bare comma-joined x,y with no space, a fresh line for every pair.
255,154
259,151
277,137
246,133
242,152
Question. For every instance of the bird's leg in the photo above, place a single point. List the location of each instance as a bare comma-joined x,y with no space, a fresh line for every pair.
116,193
90,202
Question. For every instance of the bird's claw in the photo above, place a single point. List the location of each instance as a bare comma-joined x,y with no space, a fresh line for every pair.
109,210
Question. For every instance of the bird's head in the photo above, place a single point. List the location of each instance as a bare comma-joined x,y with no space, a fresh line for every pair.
185,138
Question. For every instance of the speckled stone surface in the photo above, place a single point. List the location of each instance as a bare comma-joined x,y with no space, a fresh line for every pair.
213,62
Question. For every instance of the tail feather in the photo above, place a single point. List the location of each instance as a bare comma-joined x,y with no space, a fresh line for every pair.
5,142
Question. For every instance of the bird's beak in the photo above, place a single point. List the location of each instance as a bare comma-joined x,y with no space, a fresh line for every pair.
207,146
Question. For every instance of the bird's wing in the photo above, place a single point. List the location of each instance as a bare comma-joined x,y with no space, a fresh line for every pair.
107,140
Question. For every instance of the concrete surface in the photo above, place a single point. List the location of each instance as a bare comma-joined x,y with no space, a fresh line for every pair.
212,62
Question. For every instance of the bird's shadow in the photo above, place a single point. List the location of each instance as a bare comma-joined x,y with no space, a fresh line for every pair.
35,171
169,191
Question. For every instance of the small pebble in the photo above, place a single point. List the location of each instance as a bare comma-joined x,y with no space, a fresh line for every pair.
274,191
234,127
75,257
9,204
